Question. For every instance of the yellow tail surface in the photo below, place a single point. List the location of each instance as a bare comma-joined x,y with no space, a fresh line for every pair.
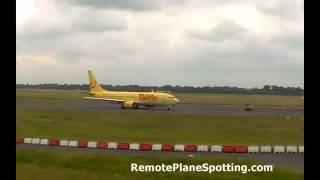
94,86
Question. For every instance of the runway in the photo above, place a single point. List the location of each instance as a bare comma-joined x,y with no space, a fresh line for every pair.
205,109
295,160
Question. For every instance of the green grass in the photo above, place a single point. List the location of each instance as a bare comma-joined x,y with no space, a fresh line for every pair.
49,96
158,127
36,164
285,102
73,96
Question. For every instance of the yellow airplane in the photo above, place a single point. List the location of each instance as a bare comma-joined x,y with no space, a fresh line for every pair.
130,99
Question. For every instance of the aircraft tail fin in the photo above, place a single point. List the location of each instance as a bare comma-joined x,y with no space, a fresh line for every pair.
94,86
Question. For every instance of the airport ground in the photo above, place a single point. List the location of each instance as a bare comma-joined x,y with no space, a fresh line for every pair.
39,164
73,96
65,114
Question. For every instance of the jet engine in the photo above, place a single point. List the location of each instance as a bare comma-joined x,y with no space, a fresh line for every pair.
129,104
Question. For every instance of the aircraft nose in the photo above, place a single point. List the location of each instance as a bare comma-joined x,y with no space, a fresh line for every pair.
176,100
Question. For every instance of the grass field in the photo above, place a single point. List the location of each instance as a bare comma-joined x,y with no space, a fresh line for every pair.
36,164
158,127
69,96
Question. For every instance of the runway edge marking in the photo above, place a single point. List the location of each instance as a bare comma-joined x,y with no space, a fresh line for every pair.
161,147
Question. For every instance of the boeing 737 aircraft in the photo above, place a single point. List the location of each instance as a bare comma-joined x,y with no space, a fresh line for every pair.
130,99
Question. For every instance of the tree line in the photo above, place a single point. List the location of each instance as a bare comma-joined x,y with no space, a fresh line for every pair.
265,90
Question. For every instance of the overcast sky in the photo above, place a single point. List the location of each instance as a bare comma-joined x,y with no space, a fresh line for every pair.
244,43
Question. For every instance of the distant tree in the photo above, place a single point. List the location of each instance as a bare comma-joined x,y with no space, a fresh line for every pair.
266,87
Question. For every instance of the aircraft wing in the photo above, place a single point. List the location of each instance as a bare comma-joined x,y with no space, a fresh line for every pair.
106,99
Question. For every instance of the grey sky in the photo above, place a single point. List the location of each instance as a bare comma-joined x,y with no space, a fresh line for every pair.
246,43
